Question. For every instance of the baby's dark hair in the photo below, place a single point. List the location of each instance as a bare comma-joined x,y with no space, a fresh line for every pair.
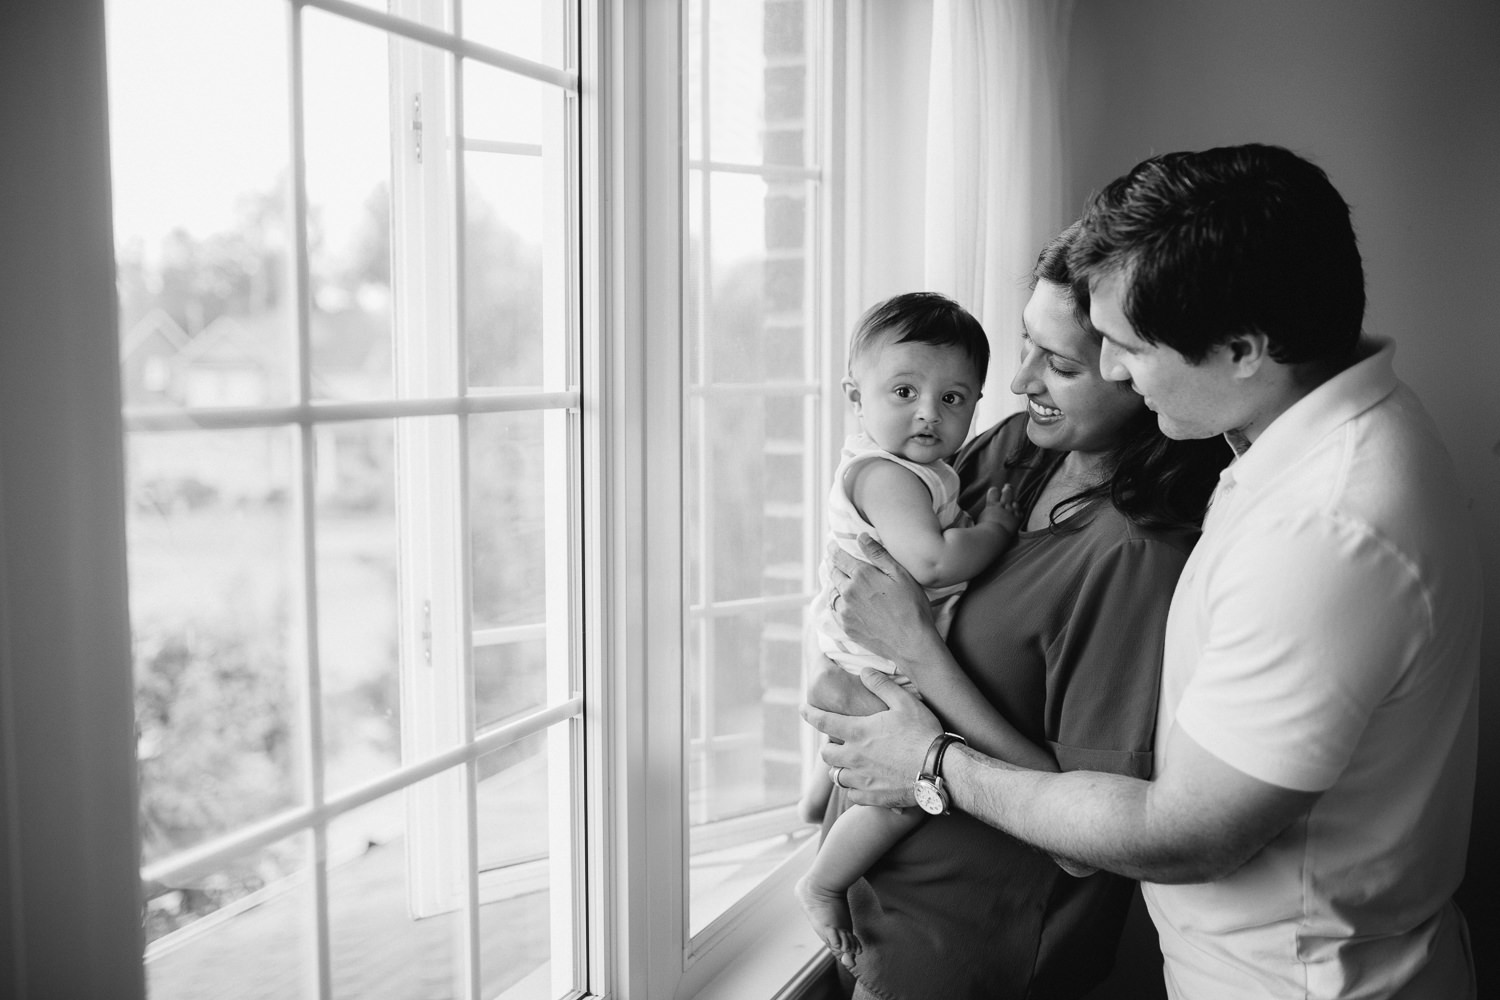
922,318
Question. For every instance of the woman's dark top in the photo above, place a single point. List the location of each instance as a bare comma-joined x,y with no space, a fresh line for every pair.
1063,634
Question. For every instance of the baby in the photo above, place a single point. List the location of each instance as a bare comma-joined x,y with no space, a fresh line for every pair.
917,363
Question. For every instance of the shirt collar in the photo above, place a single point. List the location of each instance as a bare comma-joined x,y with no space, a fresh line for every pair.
1329,406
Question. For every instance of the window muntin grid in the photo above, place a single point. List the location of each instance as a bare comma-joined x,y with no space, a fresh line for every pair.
418,418
754,433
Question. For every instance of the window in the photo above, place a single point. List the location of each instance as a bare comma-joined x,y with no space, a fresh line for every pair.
354,500
755,372
476,362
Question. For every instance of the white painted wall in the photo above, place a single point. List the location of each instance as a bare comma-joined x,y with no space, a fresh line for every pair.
1400,103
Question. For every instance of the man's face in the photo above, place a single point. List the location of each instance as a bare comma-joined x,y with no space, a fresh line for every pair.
1190,400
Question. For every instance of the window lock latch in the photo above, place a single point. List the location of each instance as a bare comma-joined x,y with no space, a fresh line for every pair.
427,632
416,125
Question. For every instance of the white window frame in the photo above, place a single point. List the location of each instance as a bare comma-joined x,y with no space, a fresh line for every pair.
762,946
69,871
813,394
440,747
428,279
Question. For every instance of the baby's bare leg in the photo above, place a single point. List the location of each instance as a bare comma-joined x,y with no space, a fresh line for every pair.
834,689
816,791
854,842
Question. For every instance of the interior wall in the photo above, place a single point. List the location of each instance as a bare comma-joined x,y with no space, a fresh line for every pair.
1397,101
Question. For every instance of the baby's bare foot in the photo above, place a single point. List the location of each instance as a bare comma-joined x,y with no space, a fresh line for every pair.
828,910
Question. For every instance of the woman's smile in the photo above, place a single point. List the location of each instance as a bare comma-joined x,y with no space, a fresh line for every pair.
1069,404
1043,414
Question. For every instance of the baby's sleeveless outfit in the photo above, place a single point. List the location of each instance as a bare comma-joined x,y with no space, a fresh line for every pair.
846,525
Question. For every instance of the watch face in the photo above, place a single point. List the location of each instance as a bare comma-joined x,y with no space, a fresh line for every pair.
930,797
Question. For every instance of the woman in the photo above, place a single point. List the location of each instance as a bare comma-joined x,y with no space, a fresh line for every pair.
1063,635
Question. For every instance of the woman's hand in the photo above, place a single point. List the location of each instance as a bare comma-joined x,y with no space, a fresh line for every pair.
881,754
880,606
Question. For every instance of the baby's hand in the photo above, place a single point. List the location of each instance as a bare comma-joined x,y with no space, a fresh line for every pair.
1001,510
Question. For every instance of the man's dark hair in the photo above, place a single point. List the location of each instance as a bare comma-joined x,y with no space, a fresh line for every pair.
923,318
1226,241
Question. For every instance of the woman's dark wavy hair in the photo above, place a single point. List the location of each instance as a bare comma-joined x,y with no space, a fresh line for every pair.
1155,481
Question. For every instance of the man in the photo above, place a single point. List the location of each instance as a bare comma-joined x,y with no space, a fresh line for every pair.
1307,821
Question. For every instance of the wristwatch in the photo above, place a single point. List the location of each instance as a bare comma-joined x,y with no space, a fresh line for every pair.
931,792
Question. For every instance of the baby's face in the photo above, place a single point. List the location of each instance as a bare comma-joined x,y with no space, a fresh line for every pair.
915,400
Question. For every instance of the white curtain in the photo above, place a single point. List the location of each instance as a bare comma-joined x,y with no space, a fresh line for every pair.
994,171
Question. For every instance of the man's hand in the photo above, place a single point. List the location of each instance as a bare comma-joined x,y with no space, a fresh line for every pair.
879,605
881,753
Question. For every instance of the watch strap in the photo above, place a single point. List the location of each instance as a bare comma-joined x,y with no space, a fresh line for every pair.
942,751
932,765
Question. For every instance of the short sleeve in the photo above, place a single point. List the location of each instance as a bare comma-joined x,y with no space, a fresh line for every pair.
1309,629
1104,666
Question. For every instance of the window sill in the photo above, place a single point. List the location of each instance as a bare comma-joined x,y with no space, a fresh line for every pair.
784,959
788,962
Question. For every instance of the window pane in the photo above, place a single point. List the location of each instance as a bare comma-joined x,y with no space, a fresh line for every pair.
759,82
523,835
790,93
759,316
745,746
694,44
755,503
348,145
241,932
745,753
358,552
737,69
518,513
738,279
214,560
382,944
760,309
508,518
752,485
201,211
503,270
532,29
515,168
505,107
510,677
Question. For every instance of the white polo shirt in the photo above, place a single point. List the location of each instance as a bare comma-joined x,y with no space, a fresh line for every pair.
1324,636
